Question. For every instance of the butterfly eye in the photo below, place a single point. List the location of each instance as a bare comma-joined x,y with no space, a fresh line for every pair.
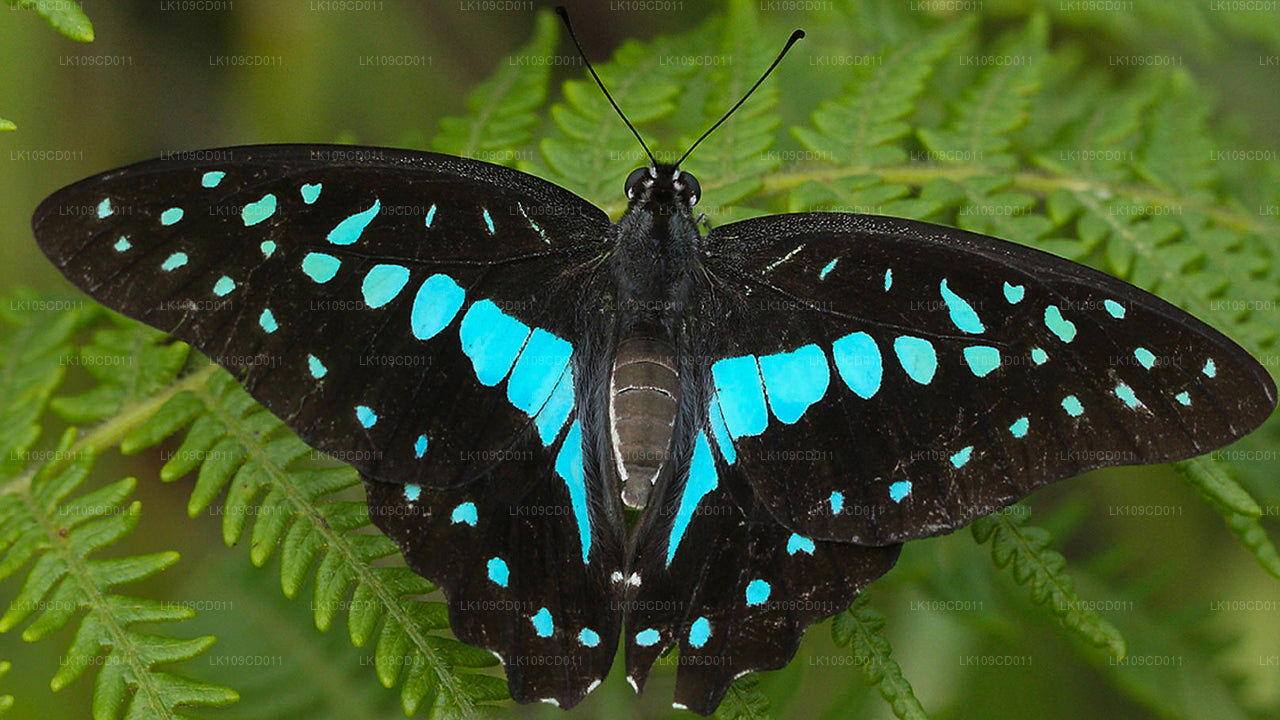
691,185
633,180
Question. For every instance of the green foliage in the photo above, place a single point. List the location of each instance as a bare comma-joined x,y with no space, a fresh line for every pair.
858,629
1025,550
65,17
46,524
1045,145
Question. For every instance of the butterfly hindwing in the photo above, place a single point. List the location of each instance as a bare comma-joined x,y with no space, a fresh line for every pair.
739,589
923,376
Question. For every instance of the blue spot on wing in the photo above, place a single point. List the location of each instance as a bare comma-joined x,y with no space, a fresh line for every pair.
741,394
349,230
982,359
793,381
498,571
1060,326
569,468
1114,308
647,637
758,591
104,208
465,513
1210,369
859,363
488,221
720,431
1145,357
431,214
960,458
438,300
699,632
962,314
310,192
256,212
171,216
212,178
420,446
917,358
224,286
317,368
822,275
174,261
320,267
555,411
1125,393
539,368
267,321
122,244
799,543
702,480
492,339
589,637
543,625
837,502
366,415
1020,426
412,492
1072,405
900,490
1014,293
383,283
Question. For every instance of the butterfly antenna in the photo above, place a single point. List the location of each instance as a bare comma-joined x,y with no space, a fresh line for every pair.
564,15
790,41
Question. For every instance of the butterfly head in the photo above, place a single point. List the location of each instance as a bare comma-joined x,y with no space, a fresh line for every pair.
662,184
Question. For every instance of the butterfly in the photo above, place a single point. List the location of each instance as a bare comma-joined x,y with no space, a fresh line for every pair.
589,433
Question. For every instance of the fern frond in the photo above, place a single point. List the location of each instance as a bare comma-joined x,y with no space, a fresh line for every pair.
239,447
6,701
858,629
45,524
744,700
591,150
1025,550
1214,481
503,110
734,158
65,17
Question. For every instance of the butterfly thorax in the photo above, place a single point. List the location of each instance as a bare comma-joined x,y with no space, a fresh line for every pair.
652,261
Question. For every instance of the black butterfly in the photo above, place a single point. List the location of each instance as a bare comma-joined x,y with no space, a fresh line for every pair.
787,398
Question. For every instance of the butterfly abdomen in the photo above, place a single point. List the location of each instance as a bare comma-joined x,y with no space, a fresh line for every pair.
643,398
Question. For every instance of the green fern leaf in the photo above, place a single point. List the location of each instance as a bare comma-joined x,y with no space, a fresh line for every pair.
744,700
1213,480
864,127
1025,550
65,17
858,629
6,701
503,110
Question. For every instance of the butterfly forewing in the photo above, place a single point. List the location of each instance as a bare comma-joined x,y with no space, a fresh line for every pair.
916,377
337,290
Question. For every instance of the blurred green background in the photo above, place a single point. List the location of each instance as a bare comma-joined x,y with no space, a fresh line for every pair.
158,87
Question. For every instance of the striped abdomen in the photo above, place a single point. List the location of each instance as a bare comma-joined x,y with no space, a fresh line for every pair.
643,397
